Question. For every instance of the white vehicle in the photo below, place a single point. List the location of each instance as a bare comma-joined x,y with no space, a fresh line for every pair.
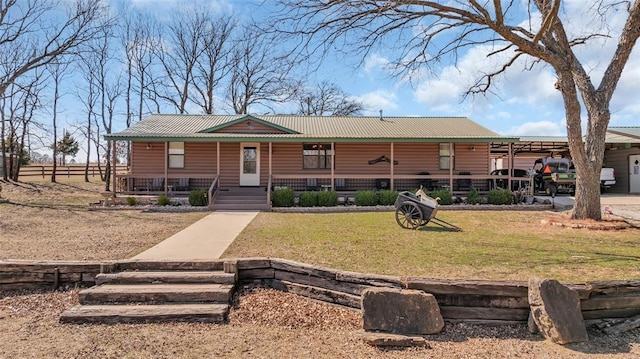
607,178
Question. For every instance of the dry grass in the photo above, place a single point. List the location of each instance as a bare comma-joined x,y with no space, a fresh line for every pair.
45,221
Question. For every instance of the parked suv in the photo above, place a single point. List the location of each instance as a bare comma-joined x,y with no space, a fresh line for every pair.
520,179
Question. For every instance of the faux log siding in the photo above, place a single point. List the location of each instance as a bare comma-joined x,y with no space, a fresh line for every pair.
229,164
147,161
350,158
199,159
619,161
243,128
353,158
414,158
469,160
287,160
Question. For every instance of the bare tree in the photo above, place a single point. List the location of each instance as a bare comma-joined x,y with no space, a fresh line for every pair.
57,71
446,28
139,41
327,99
258,74
179,53
34,33
212,66
88,93
18,110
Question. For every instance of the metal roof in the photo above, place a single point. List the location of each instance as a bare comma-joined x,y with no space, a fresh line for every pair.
623,134
302,128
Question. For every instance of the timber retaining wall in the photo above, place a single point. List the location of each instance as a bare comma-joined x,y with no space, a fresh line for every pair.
481,301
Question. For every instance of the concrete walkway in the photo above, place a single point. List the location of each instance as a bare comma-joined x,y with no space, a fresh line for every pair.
206,239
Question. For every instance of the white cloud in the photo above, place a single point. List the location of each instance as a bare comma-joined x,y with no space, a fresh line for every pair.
375,63
540,128
438,95
378,100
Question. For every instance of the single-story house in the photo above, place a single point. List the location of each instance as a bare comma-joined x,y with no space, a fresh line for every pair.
178,153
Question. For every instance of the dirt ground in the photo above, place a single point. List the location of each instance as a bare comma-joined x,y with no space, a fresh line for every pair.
266,324
262,324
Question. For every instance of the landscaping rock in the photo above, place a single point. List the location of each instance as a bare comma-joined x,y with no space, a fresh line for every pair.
401,311
393,340
556,311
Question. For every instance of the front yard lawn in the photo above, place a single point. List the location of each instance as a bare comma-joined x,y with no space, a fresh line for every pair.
492,245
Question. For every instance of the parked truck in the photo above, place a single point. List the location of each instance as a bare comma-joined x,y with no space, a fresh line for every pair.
607,178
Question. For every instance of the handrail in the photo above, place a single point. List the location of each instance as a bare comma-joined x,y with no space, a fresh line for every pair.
213,191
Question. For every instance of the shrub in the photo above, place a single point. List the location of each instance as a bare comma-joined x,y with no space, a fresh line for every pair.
198,197
283,197
474,196
327,198
366,198
132,201
387,197
500,196
445,196
163,200
308,199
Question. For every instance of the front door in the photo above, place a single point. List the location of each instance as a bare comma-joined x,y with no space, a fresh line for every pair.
634,174
250,164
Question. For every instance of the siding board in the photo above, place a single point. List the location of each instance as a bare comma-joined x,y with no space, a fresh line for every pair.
242,127
350,159
619,161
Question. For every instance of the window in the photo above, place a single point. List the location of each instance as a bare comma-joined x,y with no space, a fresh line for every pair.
444,156
316,155
176,154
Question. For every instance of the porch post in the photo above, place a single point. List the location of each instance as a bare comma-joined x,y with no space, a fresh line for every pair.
333,165
391,184
510,164
218,161
270,160
451,167
166,165
114,158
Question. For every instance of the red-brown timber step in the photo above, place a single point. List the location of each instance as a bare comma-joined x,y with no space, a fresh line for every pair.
157,293
111,314
154,277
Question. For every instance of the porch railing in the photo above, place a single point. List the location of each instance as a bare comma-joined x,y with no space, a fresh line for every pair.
154,184
457,183
213,190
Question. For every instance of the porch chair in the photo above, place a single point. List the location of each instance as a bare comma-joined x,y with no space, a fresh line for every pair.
157,184
182,184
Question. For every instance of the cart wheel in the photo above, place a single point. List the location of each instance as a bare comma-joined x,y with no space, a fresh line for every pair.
409,215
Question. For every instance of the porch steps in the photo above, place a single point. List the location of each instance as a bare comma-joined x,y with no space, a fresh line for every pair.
156,292
241,199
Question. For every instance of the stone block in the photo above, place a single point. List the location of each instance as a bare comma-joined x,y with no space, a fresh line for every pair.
393,340
556,312
401,311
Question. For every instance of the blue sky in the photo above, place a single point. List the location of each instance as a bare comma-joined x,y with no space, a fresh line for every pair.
522,103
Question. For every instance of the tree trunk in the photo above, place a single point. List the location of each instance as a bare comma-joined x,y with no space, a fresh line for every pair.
586,156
